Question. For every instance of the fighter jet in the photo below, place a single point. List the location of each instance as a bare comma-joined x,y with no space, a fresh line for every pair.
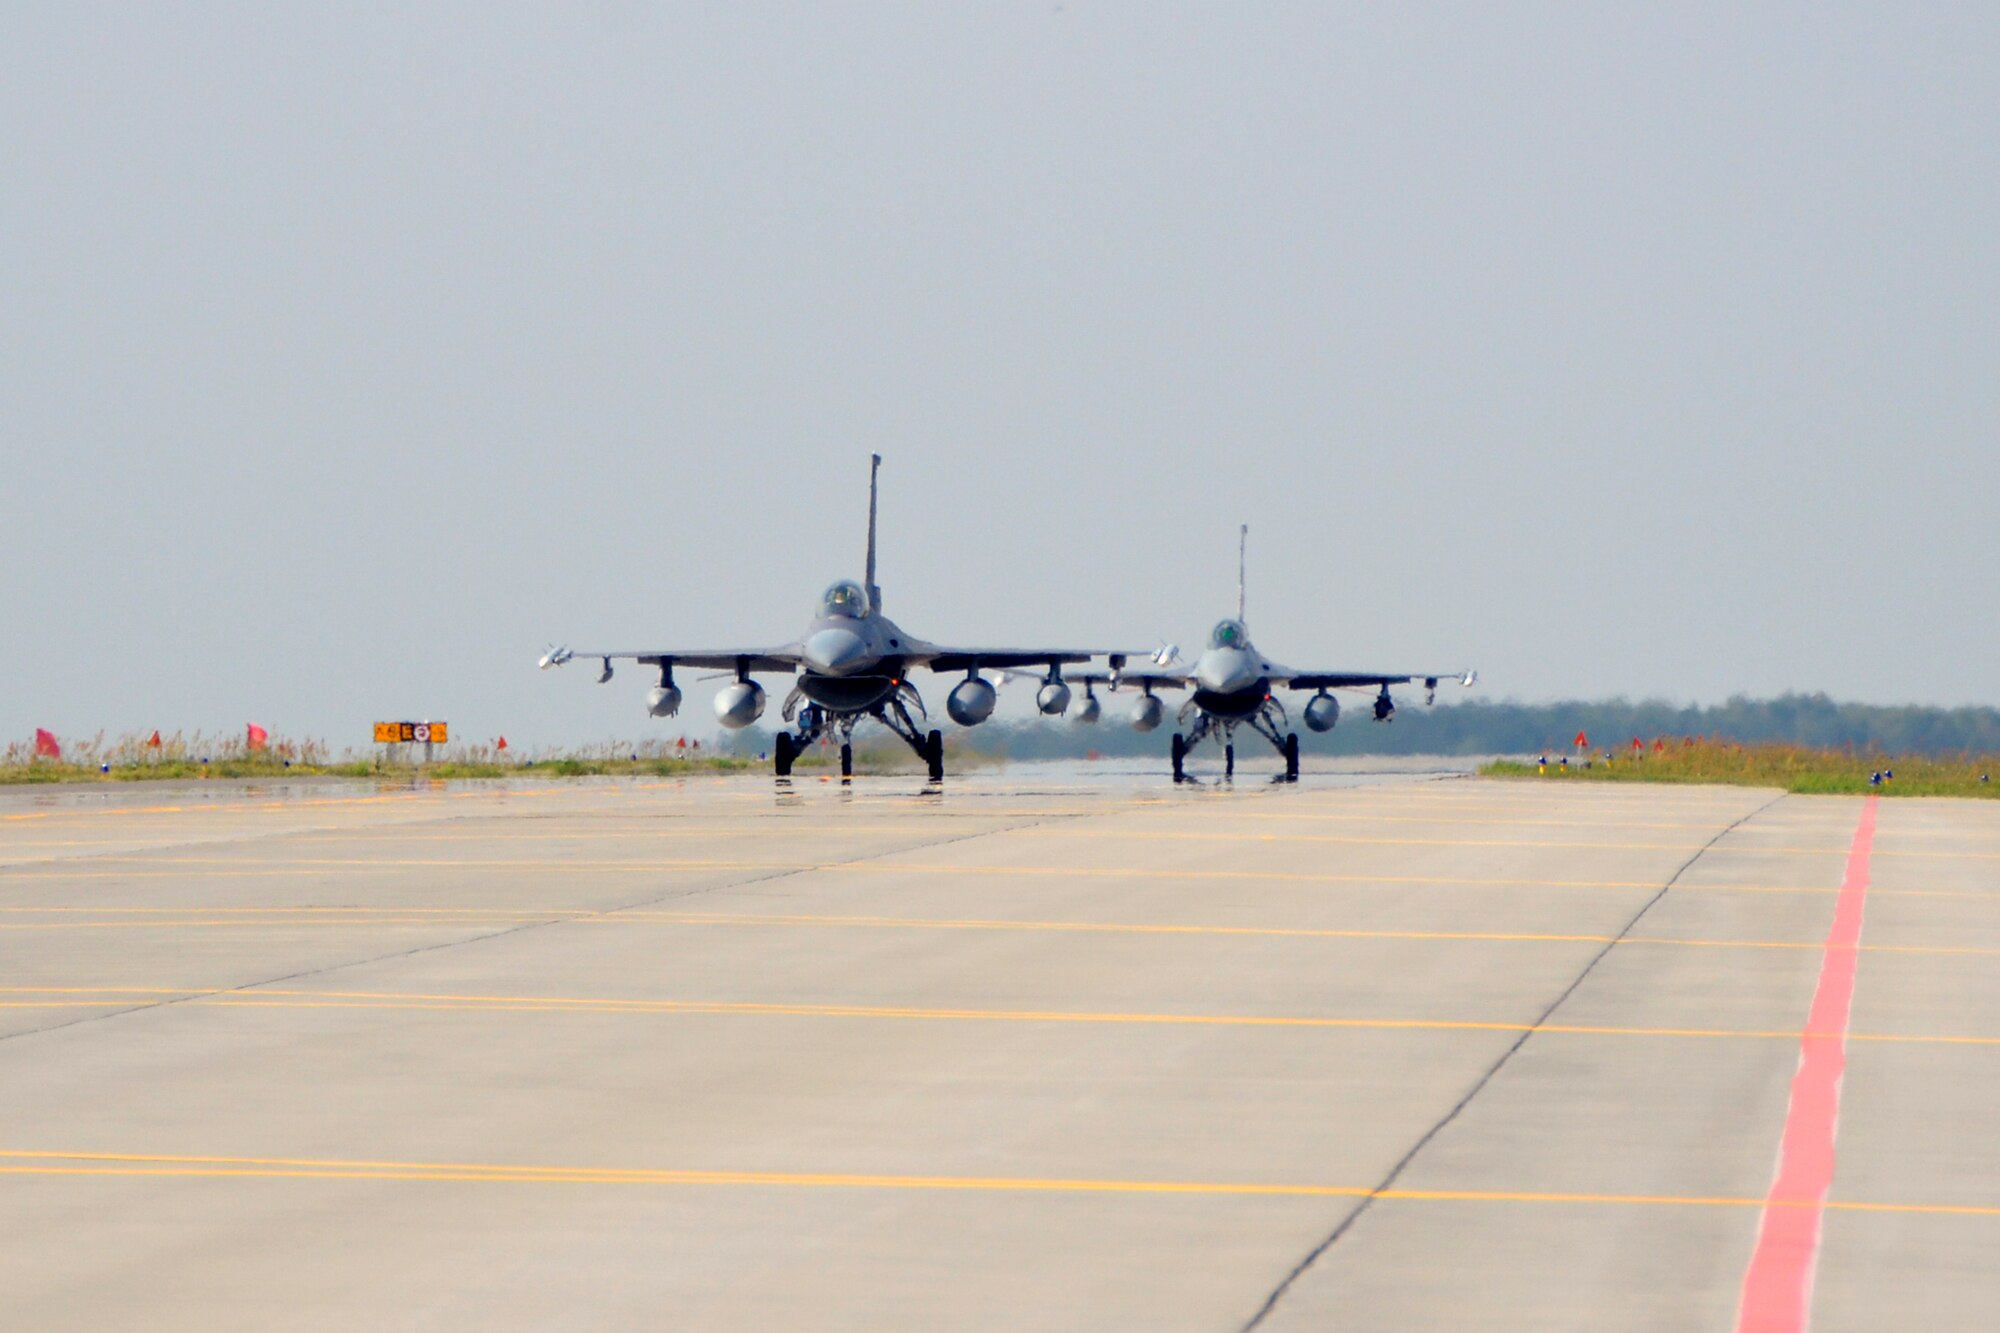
852,662
1234,685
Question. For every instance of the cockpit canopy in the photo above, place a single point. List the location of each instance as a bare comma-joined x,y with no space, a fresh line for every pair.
846,599
1229,634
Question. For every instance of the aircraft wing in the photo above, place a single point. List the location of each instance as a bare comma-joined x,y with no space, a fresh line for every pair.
999,659
706,659
1348,680
1154,677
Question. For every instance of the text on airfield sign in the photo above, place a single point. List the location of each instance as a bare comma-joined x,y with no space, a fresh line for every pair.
403,733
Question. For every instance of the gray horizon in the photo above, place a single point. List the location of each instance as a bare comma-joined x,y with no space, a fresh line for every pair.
352,358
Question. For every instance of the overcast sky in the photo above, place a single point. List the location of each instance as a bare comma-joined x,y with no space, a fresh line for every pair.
348,355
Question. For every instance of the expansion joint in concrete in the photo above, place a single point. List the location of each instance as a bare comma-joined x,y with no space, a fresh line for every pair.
1388,1182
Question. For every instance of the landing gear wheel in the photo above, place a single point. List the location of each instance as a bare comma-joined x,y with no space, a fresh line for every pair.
1292,756
934,755
784,752
846,760
1180,758
1228,761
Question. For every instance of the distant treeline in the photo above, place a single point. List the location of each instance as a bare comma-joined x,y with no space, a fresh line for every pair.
1481,727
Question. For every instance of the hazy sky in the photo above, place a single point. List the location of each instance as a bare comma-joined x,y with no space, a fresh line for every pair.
350,354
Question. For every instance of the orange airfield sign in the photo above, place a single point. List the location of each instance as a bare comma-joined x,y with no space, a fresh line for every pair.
402,733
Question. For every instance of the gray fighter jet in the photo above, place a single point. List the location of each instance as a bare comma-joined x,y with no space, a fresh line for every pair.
852,662
1235,685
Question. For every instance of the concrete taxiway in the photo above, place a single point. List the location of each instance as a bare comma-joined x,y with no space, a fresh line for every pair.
1041,1050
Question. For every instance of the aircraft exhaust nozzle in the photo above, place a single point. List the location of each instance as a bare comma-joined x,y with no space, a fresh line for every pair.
835,651
1052,698
1148,712
663,700
738,705
971,701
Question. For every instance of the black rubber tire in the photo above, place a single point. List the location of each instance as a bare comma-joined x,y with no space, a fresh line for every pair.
1228,761
846,760
1180,758
934,755
1292,755
783,752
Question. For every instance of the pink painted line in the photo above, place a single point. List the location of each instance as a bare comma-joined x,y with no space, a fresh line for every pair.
1777,1289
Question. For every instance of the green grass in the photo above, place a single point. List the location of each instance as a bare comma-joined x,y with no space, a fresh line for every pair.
1793,768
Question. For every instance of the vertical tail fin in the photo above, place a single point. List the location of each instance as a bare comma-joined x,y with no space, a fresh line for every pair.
874,593
1242,551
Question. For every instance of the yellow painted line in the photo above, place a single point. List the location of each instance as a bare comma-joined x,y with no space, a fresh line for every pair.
392,1000
56,871
62,1004
1098,836
779,824
135,1164
1280,932
548,867
344,917
225,802
239,924
107,991
398,909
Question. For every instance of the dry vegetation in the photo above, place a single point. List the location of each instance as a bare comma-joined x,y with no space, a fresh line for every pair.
1795,768
200,755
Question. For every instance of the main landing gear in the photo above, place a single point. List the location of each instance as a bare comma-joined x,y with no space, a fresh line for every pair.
815,722
1265,723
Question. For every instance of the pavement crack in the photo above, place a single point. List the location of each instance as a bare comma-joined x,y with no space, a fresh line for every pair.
553,920
1479,1085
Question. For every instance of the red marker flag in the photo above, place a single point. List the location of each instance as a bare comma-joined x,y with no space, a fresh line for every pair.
46,745
501,744
681,744
1582,741
1659,745
1638,744
257,737
153,741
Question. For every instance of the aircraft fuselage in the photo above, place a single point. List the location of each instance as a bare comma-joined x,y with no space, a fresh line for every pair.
1235,705
852,663
849,694
1230,683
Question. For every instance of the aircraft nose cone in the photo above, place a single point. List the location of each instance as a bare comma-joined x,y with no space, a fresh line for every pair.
1226,673
834,651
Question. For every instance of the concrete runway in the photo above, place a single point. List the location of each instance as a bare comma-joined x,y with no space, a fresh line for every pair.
1071,1050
